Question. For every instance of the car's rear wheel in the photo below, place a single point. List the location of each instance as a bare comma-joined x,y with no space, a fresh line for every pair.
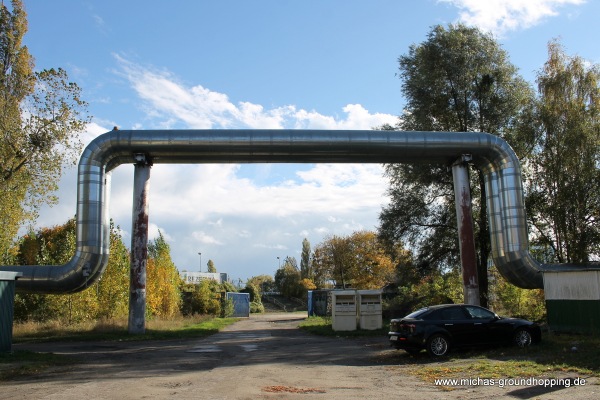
438,345
522,338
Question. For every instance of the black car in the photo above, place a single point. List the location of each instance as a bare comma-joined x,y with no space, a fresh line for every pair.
439,328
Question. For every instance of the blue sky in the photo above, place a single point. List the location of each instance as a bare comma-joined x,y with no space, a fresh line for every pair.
264,64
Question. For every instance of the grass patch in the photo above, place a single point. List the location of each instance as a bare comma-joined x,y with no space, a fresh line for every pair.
495,369
117,329
20,364
322,326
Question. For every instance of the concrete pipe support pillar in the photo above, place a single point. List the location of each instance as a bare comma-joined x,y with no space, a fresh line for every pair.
139,245
466,237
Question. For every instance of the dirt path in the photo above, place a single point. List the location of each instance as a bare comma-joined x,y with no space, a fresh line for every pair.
263,357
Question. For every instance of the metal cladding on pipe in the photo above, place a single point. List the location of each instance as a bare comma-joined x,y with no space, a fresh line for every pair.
490,153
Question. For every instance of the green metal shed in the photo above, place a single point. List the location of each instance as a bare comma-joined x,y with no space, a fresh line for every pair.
573,300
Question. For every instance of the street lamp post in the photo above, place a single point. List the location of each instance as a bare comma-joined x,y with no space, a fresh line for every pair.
200,254
279,263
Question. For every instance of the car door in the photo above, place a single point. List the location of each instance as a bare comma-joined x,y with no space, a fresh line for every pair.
458,323
485,325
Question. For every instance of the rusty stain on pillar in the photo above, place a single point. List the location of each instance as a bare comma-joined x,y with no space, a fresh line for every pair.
139,245
466,236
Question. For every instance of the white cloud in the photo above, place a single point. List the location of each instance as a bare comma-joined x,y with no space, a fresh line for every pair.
269,246
92,131
153,233
208,192
501,16
99,21
204,238
171,102
244,234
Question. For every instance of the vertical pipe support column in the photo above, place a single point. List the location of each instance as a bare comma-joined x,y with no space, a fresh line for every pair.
466,236
139,245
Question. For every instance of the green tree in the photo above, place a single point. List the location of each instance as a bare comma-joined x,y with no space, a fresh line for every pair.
113,287
206,298
256,305
264,282
459,79
291,261
227,287
211,266
564,187
287,281
41,114
305,267
254,292
508,299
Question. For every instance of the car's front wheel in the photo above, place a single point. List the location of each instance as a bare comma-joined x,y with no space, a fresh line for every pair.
438,345
522,338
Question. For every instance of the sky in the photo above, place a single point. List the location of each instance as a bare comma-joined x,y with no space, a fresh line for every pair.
311,64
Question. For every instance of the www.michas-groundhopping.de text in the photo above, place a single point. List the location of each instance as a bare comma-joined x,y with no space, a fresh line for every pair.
505,382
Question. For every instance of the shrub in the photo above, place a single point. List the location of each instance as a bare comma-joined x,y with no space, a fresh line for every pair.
256,307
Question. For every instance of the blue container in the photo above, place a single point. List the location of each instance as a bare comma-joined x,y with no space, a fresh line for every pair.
241,304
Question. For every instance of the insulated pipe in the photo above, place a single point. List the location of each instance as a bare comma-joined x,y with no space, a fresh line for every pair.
492,155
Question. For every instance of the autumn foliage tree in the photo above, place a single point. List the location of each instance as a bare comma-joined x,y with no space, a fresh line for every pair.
41,115
113,287
358,261
108,298
162,280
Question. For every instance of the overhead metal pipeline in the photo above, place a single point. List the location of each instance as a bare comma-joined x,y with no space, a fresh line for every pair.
492,155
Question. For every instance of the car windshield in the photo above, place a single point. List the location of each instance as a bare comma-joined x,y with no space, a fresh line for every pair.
416,314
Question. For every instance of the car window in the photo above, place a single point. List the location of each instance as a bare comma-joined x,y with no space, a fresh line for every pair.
480,313
451,314
454,313
436,314
416,314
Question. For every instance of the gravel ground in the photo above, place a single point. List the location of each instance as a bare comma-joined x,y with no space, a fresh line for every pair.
262,357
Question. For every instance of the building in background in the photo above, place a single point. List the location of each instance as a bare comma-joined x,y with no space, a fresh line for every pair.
197,277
